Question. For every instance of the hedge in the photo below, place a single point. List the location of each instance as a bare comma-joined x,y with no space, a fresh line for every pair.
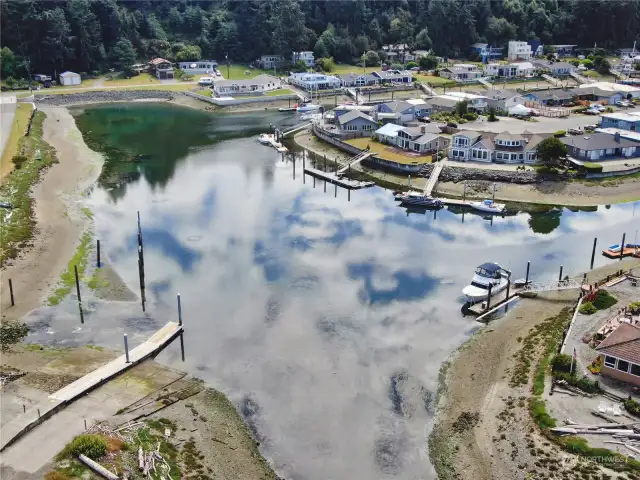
588,308
583,383
592,167
560,133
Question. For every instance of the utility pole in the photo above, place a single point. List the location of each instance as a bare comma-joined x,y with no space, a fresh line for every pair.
226,57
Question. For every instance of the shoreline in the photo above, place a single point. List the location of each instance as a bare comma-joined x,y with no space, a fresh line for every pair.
475,389
569,194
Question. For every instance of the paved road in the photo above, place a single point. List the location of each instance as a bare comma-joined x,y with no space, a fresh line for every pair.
7,112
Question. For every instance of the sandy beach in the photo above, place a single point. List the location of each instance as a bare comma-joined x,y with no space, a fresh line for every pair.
553,193
482,418
58,213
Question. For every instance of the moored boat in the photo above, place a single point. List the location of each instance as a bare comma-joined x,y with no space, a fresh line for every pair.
265,139
488,206
487,274
307,107
418,198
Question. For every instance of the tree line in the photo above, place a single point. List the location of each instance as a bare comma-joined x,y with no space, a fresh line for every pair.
41,36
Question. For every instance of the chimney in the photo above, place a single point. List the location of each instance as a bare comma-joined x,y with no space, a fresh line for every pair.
617,136
423,129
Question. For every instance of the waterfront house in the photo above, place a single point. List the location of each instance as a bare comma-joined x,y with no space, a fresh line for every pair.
475,102
358,79
462,73
472,146
600,146
342,109
486,52
314,81
199,67
557,69
306,57
388,133
503,100
161,68
621,120
609,90
250,86
269,62
356,121
70,78
442,103
552,97
401,111
620,354
628,134
394,76
509,70
563,50
422,139
519,51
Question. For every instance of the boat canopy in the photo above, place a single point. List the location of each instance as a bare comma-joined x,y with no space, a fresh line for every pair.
488,202
490,270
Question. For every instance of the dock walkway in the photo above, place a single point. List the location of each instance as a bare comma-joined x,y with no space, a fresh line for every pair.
340,181
20,425
354,161
433,179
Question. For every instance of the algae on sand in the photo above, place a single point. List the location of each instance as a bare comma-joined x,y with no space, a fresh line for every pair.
67,279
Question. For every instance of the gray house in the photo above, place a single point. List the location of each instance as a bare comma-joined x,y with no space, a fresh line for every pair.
557,69
356,121
503,100
401,111
358,80
600,146
422,139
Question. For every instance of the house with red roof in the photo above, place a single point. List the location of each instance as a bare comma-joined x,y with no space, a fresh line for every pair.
620,353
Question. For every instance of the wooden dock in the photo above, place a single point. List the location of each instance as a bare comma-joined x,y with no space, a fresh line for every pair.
626,252
340,181
496,300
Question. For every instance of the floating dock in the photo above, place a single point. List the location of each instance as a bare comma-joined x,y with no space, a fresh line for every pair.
340,181
626,252
497,300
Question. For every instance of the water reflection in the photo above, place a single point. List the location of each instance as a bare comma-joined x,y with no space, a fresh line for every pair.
325,320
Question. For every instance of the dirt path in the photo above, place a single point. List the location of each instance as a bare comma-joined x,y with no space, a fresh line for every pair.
60,221
483,429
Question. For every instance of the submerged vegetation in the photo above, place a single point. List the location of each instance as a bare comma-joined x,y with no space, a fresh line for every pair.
18,223
67,279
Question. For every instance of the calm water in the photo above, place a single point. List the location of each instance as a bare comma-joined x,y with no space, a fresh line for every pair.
325,320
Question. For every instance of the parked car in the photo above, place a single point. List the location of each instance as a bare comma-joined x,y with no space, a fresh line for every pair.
590,127
575,131
598,107
591,111
424,119
452,125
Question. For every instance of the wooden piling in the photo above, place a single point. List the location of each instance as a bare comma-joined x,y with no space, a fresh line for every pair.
560,274
624,235
182,345
489,298
75,270
593,252
179,311
526,278
126,348
11,292
335,194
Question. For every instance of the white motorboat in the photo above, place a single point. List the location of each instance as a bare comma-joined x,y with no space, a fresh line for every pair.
398,196
265,139
307,107
487,274
418,198
488,206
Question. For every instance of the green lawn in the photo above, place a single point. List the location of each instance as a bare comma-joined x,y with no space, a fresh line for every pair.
119,81
237,72
341,69
433,80
279,91
18,129
386,152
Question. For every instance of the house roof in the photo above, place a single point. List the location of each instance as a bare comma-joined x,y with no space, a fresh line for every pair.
259,80
501,94
157,61
462,68
598,141
442,101
390,130
426,138
352,77
422,129
509,136
479,45
623,343
352,115
553,65
628,117
554,94
69,74
392,74
398,105
611,87
468,133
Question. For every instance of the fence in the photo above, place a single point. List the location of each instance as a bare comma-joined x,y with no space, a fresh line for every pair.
613,173
545,111
241,101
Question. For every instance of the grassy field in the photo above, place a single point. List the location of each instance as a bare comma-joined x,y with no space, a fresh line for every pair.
432,79
279,91
117,81
18,129
341,69
177,87
237,72
388,153
18,223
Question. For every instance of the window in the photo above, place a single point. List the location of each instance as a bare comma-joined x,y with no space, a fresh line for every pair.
522,156
635,370
623,366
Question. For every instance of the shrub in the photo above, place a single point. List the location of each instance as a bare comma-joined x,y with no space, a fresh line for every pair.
90,445
561,363
634,307
470,116
588,308
538,410
18,160
592,167
583,383
596,366
632,406
560,133
604,300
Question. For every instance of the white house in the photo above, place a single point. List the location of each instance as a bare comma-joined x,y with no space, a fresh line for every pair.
519,51
70,78
268,62
472,146
476,102
462,72
503,100
306,57
314,81
509,70
422,139
557,69
388,133
358,79
250,86
198,67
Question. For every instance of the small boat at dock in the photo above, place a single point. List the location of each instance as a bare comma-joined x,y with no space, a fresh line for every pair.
287,109
489,206
487,274
419,199
265,139
307,107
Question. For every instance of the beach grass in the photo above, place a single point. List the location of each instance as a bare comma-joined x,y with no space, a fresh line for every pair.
68,278
388,153
18,129
19,222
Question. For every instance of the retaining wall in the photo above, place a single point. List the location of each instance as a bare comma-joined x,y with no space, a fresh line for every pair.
103,96
617,173
241,101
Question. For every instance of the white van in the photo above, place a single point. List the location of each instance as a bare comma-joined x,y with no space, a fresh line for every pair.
205,81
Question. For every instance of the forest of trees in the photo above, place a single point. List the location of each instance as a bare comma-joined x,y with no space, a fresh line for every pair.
87,35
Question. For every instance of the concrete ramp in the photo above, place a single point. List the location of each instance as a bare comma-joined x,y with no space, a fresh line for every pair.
486,83
553,81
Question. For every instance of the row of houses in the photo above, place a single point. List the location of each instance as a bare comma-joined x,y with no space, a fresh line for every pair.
602,92
469,72
321,81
